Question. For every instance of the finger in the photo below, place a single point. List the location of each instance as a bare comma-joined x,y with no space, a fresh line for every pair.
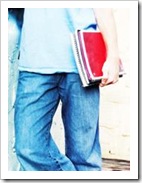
111,80
103,82
104,79
115,81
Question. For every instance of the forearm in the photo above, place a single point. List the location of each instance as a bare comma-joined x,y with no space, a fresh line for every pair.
106,24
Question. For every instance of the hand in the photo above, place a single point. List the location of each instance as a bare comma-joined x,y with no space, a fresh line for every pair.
110,71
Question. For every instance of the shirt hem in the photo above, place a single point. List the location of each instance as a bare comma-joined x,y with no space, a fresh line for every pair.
48,71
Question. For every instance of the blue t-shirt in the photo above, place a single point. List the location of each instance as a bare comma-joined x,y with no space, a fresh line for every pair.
45,38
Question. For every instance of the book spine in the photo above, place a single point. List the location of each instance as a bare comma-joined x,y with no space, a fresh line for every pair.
80,68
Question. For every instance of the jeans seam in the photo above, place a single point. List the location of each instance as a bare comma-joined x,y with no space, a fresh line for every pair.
49,153
51,157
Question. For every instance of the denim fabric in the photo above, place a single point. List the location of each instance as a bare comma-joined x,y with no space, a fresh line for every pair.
38,96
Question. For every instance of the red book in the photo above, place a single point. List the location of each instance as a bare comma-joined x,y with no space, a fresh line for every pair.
90,54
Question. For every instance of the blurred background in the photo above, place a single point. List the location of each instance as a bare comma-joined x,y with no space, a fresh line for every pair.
115,99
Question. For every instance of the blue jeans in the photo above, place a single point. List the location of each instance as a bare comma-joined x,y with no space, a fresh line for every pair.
38,96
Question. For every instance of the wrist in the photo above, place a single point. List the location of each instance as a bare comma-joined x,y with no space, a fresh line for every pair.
113,54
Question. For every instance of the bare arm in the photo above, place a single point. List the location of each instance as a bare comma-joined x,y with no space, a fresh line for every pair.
107,27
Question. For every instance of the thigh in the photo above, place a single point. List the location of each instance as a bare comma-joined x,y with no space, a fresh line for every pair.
36,101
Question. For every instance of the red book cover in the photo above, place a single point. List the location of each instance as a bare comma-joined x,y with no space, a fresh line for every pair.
93,52
90,54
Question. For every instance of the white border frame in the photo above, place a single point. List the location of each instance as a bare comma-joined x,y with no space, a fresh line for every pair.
133,173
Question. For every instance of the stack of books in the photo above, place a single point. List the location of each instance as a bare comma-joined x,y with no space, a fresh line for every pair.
90,54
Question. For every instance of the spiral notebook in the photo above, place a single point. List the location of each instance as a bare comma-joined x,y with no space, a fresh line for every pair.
90,54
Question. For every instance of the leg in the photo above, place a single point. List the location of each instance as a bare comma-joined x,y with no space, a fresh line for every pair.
36,103
81,120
